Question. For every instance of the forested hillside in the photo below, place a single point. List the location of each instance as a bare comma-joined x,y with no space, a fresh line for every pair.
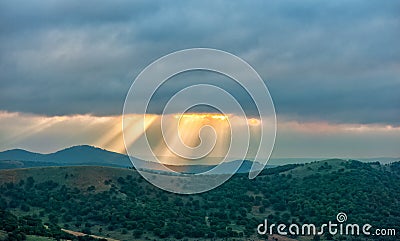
119,203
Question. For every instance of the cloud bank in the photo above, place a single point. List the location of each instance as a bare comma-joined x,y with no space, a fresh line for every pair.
313,139
337,62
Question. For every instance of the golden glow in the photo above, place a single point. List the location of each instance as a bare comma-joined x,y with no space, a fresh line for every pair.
208,116
51,133
110,140
253,121
136,126
184,135
190,126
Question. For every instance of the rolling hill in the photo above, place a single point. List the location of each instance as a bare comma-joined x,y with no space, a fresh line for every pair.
76,155
118,203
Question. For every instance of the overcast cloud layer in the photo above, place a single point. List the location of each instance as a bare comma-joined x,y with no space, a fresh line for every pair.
336,61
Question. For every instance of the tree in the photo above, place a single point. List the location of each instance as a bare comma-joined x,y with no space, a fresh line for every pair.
29,183
137,233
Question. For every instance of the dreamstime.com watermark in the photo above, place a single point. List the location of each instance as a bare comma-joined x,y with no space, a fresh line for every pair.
340,228
240,138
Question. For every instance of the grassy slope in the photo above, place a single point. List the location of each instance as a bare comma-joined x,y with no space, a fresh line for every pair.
77,176
84,176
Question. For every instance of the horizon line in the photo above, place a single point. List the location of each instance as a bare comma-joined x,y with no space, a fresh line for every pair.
249,159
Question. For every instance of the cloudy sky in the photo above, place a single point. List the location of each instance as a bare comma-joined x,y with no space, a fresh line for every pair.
332,68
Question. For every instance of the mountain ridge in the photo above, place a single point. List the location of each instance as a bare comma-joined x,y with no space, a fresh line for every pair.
81,154
91,155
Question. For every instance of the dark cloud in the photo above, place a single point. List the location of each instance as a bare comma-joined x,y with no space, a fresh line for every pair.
336,61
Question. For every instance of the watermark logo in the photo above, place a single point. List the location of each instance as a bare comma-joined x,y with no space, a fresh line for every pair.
175,124
341,217
332,228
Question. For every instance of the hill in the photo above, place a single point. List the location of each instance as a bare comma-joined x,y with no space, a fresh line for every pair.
88,155
76,155
118,203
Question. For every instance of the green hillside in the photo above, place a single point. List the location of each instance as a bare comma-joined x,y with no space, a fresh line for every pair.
118,203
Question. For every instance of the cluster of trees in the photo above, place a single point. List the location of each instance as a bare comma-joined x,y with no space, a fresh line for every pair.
132,208
18,228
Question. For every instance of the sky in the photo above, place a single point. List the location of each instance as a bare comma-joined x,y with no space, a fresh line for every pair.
332,68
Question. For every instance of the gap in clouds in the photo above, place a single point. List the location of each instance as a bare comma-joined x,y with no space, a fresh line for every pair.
47,134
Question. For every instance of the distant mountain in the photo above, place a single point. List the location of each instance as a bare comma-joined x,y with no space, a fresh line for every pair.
284,161
19,155
228,167
89,155
381,160
76,155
